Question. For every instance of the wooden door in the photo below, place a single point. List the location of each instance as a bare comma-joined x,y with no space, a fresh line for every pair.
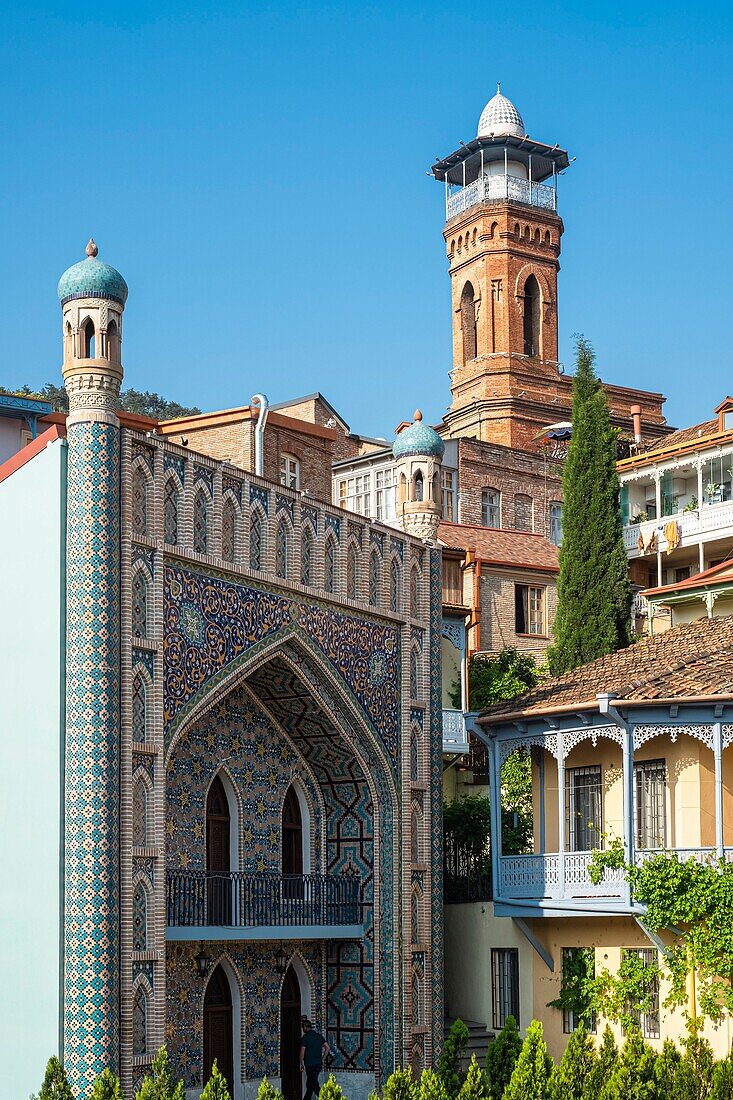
290,1036
218,1038
219,887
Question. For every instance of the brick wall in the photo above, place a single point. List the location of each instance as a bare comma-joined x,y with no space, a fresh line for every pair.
498,610
513,473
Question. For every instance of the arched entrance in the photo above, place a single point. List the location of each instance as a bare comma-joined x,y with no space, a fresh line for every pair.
290,1034
218,1039
218,866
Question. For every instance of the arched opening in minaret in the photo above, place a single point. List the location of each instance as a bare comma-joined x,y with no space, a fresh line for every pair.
531,316
88,340
468,323
113,342
418,486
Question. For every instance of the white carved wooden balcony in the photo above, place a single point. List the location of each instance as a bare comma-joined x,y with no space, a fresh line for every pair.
503,188
455,732
709,519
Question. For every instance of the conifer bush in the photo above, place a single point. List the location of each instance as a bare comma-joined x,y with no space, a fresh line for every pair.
501,1057
695,1072
722,1087
266,1091
603,1067
666,1068
160,1086
107,1087
633,1075
531,1077
450,1059
401,1085
55,1082
475,1087
569,1077
216,1086
330,1090
431,1086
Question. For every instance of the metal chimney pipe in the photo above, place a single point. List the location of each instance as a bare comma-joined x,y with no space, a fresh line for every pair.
259,401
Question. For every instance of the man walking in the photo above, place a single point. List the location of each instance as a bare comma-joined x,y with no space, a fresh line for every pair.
312,1049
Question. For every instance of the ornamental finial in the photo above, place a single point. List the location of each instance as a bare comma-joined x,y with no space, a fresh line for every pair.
498,87
418,416
91,249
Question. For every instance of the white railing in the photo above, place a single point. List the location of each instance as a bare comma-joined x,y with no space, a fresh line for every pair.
455,733
709,517
639,606
497,188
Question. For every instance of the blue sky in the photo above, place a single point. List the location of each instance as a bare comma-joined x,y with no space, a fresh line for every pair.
257,173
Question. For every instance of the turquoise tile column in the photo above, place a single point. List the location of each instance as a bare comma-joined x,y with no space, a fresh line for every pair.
91,870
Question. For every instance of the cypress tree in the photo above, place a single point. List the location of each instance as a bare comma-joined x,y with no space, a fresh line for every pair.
501,1057
603,1067
593,592
55,1083
106,1087
161,1086
531,1076
401,1085
431,1086
666,1069
266,1091
633,1077
568,1079
722,1087
475,1087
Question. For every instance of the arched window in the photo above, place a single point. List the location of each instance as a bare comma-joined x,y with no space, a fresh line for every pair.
306,556
140,919
256,539
418,489
414,678
281,550
415,592
113,342
292,835
394,585
468,323
170,512
218,855
531,316
415,755
139,502
140,1021
414,838
139,815
415,917
200,523
88,340
373,579
139,605
228,526
351,573
329,569
491,508
139,704
416,1000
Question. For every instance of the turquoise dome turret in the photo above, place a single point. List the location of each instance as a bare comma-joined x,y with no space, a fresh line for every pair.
418,439
91,278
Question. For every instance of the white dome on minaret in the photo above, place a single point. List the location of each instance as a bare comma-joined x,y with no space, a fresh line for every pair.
500,118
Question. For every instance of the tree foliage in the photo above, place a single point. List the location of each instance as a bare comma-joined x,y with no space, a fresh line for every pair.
531,1077
160,1085
498,678
475,1087
55,1082
569,1077
401,1085
330,1090
266,1091
450,1057
593,592
107,1087
603,1067
577,984
501,1057
132,401
431,1086
216,1087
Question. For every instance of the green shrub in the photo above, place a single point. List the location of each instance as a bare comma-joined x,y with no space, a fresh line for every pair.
722,1080
401,1085
666,1068
531,1075
431,1086
106,1087
501,1057
216,1088
695,1072
160,1086
55,1082
568,1079
475,1087
449,1063
633,1075
603,1067
330,1090
267,1092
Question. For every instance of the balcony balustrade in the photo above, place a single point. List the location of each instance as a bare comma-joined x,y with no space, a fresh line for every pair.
707,519
234,905
455,732
500,188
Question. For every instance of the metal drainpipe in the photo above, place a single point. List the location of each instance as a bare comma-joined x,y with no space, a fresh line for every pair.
259,401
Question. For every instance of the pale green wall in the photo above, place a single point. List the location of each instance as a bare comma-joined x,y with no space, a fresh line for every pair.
31,555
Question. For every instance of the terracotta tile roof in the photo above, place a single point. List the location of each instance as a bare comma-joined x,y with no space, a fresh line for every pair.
691,660
686,435
722,573
497,546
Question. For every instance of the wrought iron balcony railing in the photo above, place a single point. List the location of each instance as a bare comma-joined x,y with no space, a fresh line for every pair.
237,900
498,188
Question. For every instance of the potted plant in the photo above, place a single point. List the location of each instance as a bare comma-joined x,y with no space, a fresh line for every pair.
640,517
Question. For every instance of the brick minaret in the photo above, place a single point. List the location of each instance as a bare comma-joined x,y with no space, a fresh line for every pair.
92,296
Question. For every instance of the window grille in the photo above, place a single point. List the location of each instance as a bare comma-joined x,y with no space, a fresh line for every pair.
139,502
170,513
504,985
650,787
139,725
374,579
394,586
139,605
583,811
281,550
228,524
351,571
647,1021
491,508
573,957
139,815
140,1022
329,572
523,512
140,919
256,540
556,522
306,557
200,531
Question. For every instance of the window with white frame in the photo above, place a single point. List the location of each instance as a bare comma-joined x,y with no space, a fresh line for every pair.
504,985
385,481
354,493
529,609
289,471
491,508
555,522
449,496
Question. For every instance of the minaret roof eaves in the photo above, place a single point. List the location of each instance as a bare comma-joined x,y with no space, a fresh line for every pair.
521,148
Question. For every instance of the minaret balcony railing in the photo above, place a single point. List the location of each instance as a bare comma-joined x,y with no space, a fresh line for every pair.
500,188
267,903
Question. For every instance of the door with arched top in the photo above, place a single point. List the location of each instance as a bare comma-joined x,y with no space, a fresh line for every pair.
218,1021
292,840
218,865
290,1035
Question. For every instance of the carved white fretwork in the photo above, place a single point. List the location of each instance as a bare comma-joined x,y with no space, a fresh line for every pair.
642,734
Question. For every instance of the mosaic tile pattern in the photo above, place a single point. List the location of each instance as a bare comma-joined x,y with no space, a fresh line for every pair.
91,870
210,623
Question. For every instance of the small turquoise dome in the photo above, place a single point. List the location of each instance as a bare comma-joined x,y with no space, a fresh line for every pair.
418,439
92,279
